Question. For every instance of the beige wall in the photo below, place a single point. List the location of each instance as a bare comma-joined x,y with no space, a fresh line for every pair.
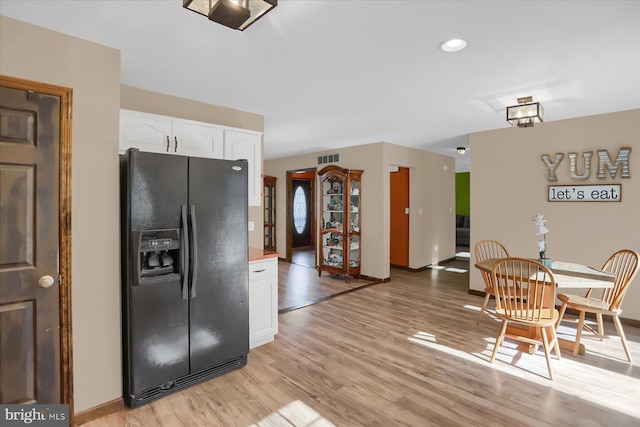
509,185
132,98
432,188
93,72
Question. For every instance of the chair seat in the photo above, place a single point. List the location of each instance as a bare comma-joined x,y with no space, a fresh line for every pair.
624,266
549,317
590,304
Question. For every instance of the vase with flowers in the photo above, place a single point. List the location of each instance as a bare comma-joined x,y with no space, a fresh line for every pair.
542,230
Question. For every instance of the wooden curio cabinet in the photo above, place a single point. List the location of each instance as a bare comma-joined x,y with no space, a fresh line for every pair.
269,213
339,226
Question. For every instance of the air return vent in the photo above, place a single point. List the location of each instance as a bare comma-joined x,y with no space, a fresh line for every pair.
329,158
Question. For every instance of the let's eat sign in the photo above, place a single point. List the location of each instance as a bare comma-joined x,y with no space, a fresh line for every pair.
588,193
585,193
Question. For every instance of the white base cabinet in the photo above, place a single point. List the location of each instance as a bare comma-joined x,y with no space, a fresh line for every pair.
263,301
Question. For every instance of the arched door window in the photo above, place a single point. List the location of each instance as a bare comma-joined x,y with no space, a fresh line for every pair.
300,210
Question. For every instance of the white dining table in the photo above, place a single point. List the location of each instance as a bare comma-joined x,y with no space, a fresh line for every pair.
567,275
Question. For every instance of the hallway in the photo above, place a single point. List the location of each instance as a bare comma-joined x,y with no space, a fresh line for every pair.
299,285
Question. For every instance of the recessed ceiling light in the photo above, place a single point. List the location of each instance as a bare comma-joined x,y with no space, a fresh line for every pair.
453,45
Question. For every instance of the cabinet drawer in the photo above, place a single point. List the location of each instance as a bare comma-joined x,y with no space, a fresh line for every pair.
263,269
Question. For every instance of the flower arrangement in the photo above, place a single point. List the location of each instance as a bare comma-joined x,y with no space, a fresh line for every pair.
539,221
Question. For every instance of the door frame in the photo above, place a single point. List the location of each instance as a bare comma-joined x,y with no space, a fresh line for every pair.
289,211
64,225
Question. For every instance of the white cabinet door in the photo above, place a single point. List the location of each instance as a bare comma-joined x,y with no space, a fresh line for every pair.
263,301
146,132
197,139
247,145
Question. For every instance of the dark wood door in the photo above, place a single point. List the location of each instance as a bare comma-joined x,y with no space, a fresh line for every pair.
29,247
399,218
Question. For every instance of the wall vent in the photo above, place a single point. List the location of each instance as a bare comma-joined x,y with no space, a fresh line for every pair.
329,158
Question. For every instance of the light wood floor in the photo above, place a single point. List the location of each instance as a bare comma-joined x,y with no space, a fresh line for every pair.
304,256
406,353
300,285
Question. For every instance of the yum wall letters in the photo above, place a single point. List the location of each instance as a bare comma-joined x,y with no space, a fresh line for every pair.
588,193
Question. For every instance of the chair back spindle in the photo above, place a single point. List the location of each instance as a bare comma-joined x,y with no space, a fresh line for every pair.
485,249
624,264
524,289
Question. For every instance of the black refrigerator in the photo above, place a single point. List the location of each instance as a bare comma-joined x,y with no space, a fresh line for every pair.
185,273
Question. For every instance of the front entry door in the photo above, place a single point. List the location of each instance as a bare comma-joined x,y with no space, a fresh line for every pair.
29,284
302,234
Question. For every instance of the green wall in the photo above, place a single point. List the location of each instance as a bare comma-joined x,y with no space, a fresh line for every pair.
462,194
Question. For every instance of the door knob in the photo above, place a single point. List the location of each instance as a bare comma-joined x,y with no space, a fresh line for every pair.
45,281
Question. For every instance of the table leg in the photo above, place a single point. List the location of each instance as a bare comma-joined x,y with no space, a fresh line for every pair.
568,345
524,332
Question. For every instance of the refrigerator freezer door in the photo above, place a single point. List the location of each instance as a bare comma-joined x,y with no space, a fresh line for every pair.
219,311
155,316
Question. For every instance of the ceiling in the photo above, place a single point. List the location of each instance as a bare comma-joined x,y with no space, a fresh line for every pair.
328,74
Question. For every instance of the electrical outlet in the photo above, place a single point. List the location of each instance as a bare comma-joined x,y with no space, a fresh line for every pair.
252,225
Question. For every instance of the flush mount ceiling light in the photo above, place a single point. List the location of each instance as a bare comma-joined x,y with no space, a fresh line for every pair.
526,113
461,150
453,45
236,14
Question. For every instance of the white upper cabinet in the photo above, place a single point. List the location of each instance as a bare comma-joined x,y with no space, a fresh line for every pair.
247,145
197,139
146,132
163,134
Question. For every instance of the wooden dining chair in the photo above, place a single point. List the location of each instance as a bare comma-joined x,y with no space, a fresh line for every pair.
485,249
525,292
624,265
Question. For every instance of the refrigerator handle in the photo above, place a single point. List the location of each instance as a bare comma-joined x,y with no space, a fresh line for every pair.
194,252
184,263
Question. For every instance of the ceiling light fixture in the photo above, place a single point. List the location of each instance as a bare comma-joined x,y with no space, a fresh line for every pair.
461,150
526,113
236,14
453,45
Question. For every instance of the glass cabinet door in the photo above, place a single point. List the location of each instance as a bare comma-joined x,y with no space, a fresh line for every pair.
269,204
333,221
354,222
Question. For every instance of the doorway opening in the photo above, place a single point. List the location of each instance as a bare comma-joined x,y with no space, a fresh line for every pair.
301,218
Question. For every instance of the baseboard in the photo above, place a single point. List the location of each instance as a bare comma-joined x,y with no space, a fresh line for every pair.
98,411
478,293
419,269
375,279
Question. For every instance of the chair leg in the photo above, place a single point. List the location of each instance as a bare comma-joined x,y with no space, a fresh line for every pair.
616,321
484,307
556,343
503,329
578,333
562,310
600,325
545,344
